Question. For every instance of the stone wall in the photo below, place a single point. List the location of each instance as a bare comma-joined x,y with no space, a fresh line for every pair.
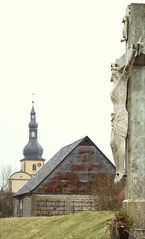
47,205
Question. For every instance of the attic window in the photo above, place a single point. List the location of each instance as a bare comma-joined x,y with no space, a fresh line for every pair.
34,167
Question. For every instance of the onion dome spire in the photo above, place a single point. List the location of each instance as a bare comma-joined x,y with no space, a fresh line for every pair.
33,124
33,150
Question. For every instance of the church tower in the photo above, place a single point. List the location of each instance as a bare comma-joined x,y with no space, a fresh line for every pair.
32,161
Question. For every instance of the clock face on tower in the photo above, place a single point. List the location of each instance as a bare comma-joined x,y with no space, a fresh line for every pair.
32,134
39,165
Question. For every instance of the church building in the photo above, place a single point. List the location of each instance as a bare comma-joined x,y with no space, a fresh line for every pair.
32,161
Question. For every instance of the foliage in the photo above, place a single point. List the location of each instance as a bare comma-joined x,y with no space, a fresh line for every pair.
108,195
6,201
84,225
121,222
6,204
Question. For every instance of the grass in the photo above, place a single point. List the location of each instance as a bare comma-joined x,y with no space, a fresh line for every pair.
86,225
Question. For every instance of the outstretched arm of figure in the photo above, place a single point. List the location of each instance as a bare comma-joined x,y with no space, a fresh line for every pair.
131,57
135,51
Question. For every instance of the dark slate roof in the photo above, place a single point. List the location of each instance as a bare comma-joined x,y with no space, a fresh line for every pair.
48,168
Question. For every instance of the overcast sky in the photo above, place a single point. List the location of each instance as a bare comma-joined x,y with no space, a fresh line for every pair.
61,50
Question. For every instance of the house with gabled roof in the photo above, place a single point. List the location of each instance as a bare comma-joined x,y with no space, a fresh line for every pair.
63,185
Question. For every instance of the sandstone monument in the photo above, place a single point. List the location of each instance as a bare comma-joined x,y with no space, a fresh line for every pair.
128,118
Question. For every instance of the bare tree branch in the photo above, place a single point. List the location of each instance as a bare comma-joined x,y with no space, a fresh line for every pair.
4,175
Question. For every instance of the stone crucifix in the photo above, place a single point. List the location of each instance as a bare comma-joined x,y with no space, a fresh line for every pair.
128,118
120,76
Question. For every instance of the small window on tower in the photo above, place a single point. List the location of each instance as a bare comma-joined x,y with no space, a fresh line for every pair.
34,167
